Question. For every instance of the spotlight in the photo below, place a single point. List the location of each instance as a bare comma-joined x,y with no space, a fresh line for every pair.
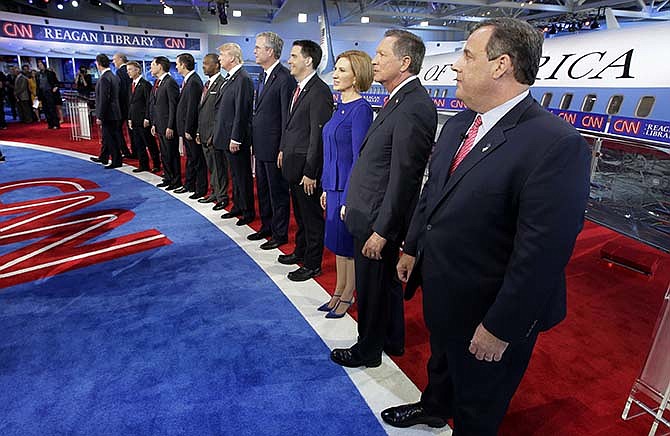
59,5
237,13
167,10
424,24
302,18
75,4
365,20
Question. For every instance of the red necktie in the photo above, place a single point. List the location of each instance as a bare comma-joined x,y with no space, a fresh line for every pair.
156,83
132,88
204,91
468,144
295,97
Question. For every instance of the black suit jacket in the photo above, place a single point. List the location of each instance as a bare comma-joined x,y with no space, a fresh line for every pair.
271,113
124,94
385,181
492,240
137,106
208,110
187,109
233,118
163,105
107,97
51,78
302,140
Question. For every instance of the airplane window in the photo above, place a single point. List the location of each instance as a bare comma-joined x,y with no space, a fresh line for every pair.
444,93
566,100
546,99
614,105
645,106
589,102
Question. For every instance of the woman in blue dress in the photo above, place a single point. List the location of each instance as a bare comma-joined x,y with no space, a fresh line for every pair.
342,138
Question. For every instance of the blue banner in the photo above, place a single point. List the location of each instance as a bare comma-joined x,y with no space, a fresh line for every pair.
652,130
37,32
583,120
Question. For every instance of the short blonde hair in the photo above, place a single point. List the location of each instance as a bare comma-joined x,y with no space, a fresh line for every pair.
361,65
234,49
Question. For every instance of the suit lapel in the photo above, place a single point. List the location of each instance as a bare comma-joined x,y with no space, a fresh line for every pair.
302,96
268,84
493,139
390,106
212,87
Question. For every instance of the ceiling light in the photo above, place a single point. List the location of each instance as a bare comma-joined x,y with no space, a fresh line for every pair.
302,18
424,24
237,13
167,10
365,20
75,4
59,5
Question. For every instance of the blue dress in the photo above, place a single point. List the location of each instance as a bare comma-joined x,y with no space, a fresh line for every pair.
342,139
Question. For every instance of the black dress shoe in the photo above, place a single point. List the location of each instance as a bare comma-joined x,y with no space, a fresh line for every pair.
232,214
408,415
394,351
220,206
303,273
271,245
351,358
173,187
244,221
112,166
195,196
207,200
97,160
156,170
289,259
163,184
181,190
258,236
140,170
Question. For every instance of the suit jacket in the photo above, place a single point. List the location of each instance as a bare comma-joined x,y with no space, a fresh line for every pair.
208,110
271,112
187,108
385,181
21,89
492,239
163,105
302,140
233,118
51,78
124,94
107,97
137,105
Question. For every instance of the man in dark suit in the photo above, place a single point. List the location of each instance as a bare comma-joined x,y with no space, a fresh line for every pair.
162,110
217,162
187,127
492,233
383,190
120,60
108,111
273,96
232,131
138,125
301,157
47,89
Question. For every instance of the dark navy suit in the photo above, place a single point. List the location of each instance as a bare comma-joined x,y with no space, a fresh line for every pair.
108,111
270,114
492,241
187,122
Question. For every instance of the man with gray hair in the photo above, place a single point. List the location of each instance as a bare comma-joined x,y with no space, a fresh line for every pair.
383,190
492,233
273,96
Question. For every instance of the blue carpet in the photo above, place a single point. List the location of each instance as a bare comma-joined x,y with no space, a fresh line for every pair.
190,338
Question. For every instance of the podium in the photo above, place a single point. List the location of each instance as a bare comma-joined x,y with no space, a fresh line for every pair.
651,391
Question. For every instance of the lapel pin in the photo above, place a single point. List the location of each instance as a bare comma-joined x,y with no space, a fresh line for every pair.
486,148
